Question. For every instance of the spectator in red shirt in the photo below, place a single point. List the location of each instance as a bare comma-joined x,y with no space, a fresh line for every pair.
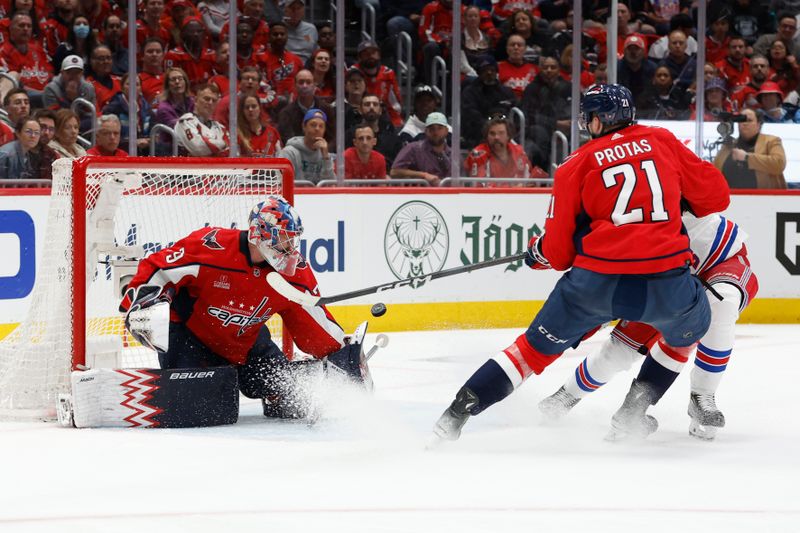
257,137
21,6
380,80
109,130
361,161
718,38
516,73
735,68
152,74
153,23
280,65
193,56
58,25
97,11
253,13
499,157
746,95
105,84
23,56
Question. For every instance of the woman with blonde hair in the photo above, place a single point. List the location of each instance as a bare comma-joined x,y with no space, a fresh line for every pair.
257,138
176,101
65,142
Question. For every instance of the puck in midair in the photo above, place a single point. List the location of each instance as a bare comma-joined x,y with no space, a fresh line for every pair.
378,309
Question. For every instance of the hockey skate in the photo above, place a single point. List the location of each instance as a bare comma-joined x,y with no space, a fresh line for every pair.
449,425
631,419
706,418
557,405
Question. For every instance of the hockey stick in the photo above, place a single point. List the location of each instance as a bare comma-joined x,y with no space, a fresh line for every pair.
285,289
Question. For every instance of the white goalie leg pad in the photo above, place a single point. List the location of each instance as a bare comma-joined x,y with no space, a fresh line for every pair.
137,397
600,367
716,346
100,398
151,326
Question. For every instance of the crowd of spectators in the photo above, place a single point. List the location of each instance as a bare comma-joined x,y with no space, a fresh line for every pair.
514,54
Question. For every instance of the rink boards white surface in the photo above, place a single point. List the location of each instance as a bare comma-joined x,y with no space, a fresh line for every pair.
364,467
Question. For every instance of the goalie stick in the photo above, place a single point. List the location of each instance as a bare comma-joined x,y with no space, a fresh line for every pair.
285,289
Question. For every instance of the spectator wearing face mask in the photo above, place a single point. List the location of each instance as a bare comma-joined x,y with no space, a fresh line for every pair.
80,42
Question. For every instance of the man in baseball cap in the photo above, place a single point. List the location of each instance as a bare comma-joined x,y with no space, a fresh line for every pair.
425,102
635,70
72,62
429,158
309,152
68,85
303,35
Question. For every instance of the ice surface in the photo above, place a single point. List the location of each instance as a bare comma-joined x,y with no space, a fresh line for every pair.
364,466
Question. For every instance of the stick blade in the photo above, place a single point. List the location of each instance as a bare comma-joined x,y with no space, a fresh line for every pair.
285,289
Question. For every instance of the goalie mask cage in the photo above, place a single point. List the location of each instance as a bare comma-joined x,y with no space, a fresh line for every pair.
104,214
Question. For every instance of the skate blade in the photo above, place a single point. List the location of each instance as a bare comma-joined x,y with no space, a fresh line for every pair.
435,442
702,432
551,416
617,435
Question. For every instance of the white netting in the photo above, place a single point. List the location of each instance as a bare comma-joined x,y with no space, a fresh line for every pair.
128,209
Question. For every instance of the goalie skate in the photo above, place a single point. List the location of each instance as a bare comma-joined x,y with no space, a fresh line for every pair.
631,419
557,405
706,417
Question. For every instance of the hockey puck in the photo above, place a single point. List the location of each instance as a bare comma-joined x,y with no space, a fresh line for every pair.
378,310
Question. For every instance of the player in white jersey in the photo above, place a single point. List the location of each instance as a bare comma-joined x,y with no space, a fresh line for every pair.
720,261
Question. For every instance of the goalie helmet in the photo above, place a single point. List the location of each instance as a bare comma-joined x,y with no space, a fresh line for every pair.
275,230
612,104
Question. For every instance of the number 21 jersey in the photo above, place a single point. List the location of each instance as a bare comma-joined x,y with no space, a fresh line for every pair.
616,206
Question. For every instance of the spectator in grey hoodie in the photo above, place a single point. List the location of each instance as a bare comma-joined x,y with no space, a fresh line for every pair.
309,152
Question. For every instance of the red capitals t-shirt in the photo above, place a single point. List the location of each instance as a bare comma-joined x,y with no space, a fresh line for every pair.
354,169
616,203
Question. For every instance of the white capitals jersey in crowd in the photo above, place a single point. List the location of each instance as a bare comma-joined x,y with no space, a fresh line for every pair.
201,140
713,239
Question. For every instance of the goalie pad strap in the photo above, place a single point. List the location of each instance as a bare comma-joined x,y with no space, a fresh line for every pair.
177,398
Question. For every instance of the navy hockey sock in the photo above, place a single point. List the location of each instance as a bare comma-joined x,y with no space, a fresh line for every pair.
490,384
658,377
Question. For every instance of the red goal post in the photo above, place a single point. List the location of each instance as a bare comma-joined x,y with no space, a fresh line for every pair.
104,214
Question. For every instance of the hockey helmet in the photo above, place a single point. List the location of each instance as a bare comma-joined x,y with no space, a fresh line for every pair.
612,104
275,230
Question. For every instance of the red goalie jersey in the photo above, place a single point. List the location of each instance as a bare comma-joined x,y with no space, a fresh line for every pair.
224,299
616,203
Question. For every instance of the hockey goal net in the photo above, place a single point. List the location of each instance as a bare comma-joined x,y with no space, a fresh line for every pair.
104,214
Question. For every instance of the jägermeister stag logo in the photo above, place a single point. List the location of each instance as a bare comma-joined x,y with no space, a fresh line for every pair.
416,241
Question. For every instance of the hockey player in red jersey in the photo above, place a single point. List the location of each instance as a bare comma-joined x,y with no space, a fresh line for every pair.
615,222
215,283
720,260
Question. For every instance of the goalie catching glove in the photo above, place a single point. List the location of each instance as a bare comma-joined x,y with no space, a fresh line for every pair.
351,361
534,257
148,317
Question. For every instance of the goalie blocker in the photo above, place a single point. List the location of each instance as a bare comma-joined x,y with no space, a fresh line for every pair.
176,398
